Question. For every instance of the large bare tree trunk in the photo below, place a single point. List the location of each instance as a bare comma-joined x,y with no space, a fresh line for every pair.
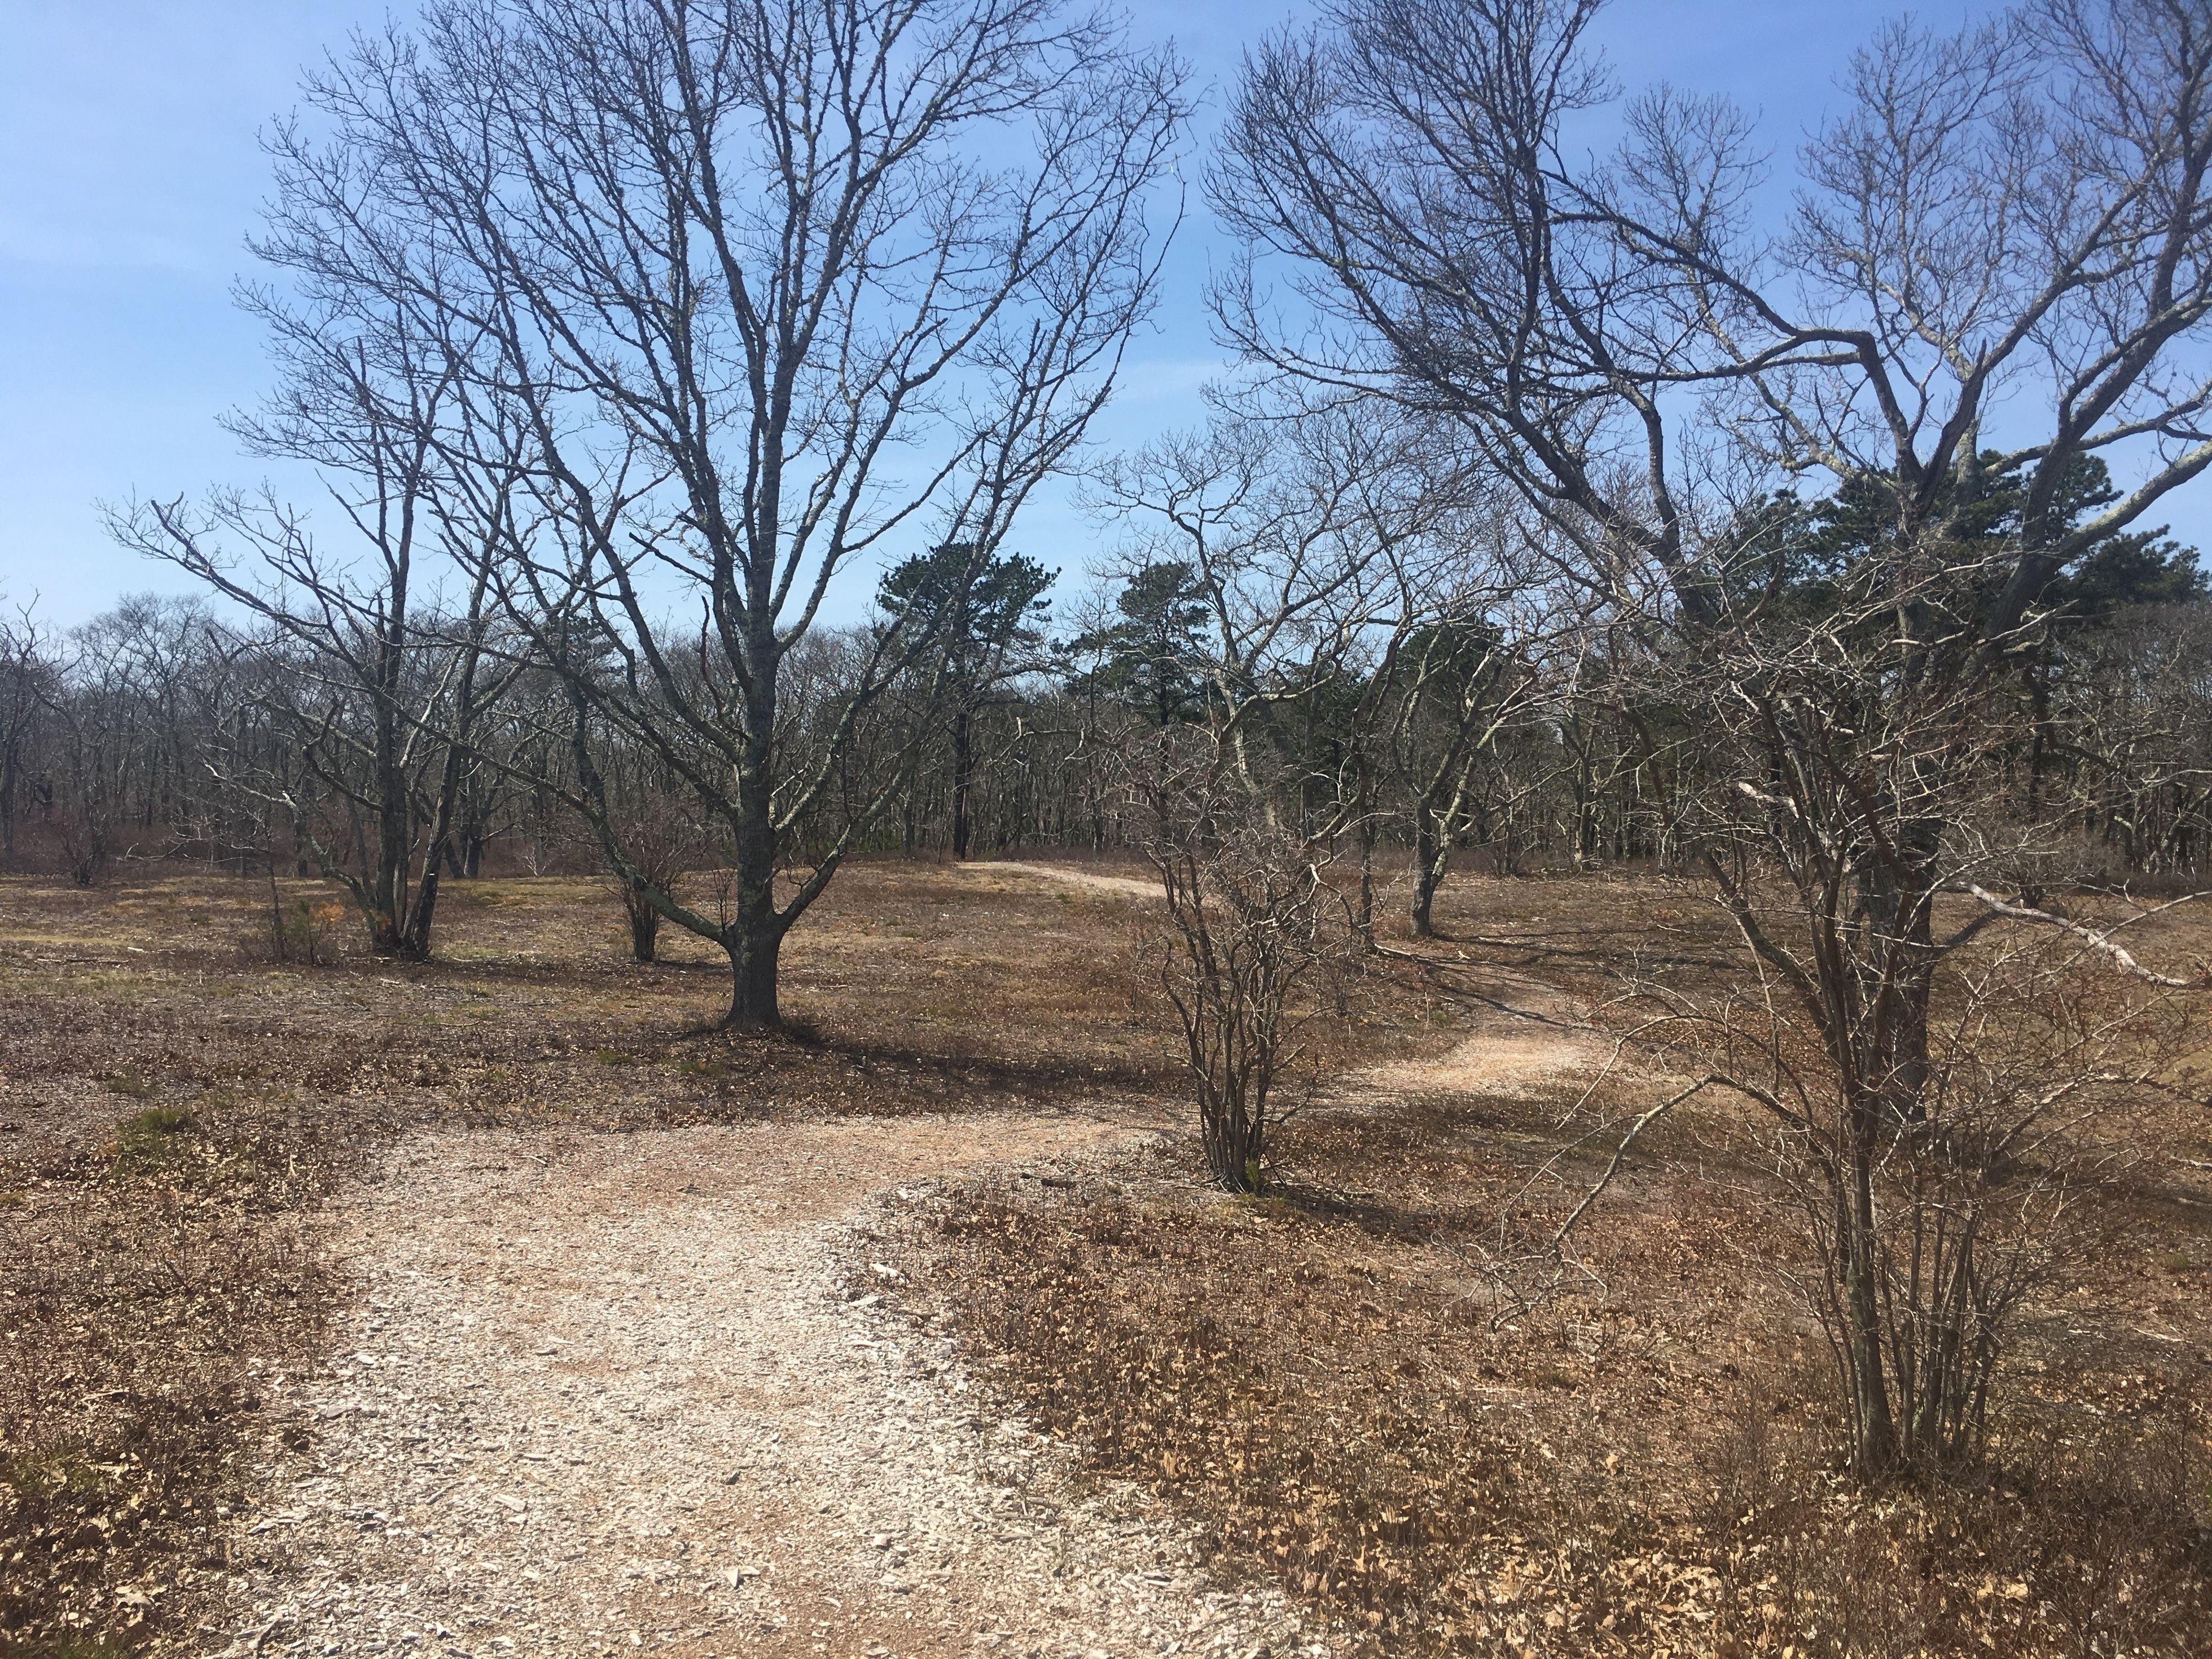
757,930
753,968
644,924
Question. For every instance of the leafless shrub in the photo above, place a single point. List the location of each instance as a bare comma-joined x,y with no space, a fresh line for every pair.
1933,1219
664,843
1255,927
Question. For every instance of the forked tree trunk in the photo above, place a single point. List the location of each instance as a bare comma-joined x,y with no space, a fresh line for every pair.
1429,857
644,924
1236,1144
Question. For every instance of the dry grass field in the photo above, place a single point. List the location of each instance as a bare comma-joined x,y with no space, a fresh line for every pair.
1323,1407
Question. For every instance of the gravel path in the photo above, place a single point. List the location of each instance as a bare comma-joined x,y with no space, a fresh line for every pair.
616,1393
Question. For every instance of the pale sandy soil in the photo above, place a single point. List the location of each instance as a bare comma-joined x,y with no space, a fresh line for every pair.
1068,875
1526,1036
618,1393
614,1393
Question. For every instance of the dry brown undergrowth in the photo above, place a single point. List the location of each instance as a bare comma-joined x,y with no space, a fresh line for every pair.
172,1103
1336,1414
1643,1466
169,1109
146,1283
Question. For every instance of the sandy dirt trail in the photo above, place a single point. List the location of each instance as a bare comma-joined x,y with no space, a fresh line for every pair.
1524,1038
1069,876
617,1393
612,1393
1528,1036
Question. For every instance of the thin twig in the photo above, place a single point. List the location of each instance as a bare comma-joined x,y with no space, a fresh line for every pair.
1621,1152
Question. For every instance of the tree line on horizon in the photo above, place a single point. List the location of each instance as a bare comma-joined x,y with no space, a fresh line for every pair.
167,733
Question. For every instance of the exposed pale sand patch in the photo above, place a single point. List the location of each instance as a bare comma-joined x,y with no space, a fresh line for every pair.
614,1393
1491,1065
1526,1037
1126,886
1530,1037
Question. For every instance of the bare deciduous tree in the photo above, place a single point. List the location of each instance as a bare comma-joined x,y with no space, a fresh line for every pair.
381,693
738,296
2021,211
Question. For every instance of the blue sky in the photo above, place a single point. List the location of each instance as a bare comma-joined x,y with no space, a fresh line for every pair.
131,175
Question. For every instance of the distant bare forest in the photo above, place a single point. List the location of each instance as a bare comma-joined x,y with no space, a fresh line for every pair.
164,734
